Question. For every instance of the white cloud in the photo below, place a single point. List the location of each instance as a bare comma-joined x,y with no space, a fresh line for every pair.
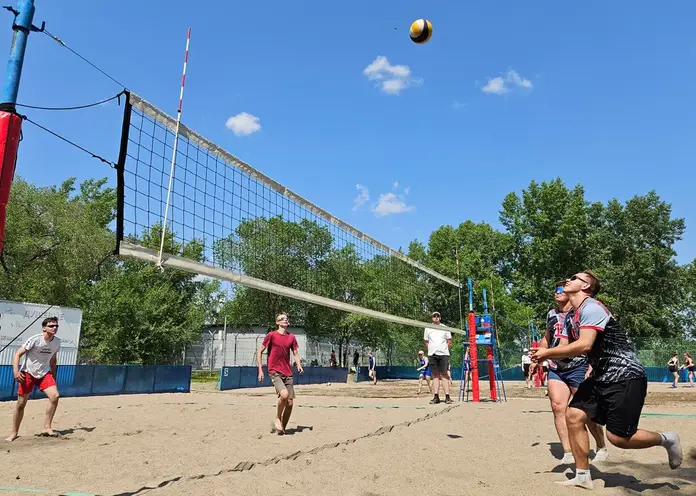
517,80
389,204
458,105
501,85
391,78
362,198
395,185
495,86
243,124
407,189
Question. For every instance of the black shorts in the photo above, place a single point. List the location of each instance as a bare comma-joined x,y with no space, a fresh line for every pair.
439,364
672,369
526,369
617,405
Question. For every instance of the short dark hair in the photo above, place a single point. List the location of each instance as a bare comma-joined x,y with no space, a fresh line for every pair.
49,319
559,284
595,283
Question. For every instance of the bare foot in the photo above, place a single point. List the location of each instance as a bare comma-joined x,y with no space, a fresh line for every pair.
48,433
11,438
279,427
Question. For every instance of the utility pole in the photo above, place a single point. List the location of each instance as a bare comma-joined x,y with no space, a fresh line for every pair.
10,122
22,26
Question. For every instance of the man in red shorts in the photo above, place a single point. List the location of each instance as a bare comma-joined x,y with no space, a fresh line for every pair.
279,344
38,370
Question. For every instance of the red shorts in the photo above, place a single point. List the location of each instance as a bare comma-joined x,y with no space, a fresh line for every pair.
30,382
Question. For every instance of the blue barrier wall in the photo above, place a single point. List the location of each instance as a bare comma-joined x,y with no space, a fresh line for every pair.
655,374
247,377
99,380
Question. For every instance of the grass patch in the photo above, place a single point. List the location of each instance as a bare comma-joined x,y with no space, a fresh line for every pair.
205,375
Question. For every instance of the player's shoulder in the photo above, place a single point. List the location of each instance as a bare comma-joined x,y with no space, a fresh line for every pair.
553,313
33,339
594,305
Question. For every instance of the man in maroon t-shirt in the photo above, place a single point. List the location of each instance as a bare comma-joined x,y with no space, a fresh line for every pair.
279,344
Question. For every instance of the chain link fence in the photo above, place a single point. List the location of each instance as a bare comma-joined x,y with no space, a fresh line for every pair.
217,349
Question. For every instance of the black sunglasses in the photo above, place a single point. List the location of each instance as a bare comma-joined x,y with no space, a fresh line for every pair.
575,276
53,326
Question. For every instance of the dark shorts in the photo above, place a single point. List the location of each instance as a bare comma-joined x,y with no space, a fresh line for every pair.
439,364
617,405
672,369
572,377
691,369
525,367
282,382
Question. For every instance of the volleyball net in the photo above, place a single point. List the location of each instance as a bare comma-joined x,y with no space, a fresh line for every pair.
216,216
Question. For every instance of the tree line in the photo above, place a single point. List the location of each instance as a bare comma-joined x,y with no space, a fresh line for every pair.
60,241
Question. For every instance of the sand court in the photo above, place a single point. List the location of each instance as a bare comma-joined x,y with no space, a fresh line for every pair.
349,438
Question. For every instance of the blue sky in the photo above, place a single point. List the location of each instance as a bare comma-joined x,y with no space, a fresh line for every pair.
505,92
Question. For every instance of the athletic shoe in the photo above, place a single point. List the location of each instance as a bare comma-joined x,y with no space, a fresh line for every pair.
601,455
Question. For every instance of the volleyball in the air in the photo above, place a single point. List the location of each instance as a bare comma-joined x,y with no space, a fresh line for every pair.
421,31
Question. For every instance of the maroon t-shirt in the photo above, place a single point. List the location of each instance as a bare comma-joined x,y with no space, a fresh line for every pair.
279,346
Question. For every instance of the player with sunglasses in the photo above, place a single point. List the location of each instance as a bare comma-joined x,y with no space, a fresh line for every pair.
615,392
38,370
565,376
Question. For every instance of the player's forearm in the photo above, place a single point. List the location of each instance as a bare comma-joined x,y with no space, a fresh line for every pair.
259,358
576,348
15,362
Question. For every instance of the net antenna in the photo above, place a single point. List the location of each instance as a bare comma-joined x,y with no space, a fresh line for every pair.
176,143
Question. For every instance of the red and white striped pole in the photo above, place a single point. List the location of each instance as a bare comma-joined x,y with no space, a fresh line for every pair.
176,142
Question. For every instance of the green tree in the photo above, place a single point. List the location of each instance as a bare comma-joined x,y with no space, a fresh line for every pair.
57,240
552,231
275,250
637,264
138,313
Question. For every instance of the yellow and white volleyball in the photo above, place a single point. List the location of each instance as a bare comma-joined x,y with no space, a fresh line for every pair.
421,31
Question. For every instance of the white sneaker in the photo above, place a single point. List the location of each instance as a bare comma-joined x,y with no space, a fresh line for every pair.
672,443
568,459
601,455
577,482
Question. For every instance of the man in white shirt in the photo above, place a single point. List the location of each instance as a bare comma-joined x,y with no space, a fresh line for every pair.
438,343
38,370
526,364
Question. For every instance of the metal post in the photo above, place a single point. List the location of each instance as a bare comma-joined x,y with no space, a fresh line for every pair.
224,343
22,26
473,356
471,293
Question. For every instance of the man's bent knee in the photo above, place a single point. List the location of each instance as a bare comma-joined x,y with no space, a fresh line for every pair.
52,393
618,441
284,394
559,408
576,417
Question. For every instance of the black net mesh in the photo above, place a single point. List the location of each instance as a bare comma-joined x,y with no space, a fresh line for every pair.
225,214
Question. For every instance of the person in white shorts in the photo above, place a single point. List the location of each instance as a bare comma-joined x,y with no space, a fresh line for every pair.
39,370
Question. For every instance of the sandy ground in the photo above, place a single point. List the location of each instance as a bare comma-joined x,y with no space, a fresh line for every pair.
348,439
